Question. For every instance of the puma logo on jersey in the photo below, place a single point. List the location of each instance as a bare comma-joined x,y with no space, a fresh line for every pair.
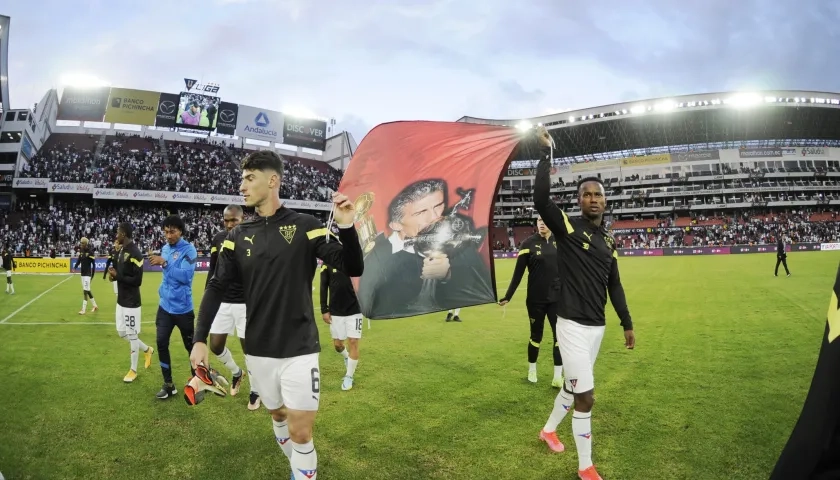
250,239
588,236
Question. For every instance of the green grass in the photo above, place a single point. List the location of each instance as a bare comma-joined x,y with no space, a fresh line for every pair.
724,358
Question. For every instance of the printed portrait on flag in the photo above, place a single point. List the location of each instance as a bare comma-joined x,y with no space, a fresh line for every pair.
423,193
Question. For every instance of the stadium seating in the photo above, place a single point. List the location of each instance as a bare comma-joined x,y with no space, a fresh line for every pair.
140,163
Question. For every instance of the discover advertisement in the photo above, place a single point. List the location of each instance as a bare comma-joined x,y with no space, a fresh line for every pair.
305,132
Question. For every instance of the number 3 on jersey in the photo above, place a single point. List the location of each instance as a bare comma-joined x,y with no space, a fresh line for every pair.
247,252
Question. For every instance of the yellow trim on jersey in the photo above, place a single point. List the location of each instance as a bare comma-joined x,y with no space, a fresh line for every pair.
139,263
524,251
323,267
534,343
228,244
214,250
615,254
569,228
318,232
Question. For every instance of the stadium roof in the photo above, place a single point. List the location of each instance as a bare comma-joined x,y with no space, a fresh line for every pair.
715,120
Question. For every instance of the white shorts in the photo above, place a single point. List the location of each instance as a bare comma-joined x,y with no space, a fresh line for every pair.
294,382
579,346
8,274
128,320
230,315
343,327
85,283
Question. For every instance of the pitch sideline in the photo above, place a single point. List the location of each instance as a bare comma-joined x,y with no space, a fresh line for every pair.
34,299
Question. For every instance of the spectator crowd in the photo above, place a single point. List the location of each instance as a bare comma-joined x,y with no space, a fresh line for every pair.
199,167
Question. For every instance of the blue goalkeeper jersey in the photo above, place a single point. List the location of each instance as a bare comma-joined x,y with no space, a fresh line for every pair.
176,290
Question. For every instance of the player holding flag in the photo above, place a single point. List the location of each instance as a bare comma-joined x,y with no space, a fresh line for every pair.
588,261
274,257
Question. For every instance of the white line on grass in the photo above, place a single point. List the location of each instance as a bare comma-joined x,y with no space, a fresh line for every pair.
64,323
36,298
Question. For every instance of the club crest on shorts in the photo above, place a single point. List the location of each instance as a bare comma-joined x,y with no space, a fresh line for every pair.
288,232
573,381
307,473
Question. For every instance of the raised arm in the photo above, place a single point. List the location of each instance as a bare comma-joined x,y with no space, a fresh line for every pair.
554,218
227,271
518,272
343,253
325,288
616,291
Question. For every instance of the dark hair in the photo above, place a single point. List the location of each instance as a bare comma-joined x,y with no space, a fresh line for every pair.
174,221
263,160
411,194
126,228
587,180
235,208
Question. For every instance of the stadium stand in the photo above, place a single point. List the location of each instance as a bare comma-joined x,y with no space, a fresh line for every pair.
139,163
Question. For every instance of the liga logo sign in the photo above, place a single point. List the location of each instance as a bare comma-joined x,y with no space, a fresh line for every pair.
136,107
42,265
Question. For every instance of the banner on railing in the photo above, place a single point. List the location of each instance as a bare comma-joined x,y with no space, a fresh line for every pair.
30,183
193,197
63,187
728,250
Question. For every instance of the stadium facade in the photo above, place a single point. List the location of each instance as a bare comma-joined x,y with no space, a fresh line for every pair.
695,154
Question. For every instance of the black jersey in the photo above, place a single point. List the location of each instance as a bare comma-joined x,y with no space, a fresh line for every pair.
8,261
233,293
780,248
587,258
129,267
88,262
337,294
275,259
539,256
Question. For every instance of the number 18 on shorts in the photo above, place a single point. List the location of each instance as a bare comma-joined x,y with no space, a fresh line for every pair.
343,327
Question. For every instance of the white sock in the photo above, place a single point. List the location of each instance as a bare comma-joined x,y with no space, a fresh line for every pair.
281,434
226,358
344,353
351,367
84,305
582,429
249,374
456,312
562,405
304,461
93,302
135,352
558,371
532,367
143,347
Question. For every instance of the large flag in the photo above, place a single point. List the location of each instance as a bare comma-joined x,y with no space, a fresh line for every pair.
423,193
813,449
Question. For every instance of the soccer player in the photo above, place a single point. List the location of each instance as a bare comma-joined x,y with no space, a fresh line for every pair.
274,257
781,254
9,267
112,258
588,261
231,312
177,258
341,311
453,315
88,263
127,271
539,255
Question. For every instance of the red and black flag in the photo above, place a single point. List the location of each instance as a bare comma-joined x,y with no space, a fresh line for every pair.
423,193
813,449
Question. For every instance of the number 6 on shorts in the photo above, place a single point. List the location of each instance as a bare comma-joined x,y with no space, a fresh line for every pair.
316,381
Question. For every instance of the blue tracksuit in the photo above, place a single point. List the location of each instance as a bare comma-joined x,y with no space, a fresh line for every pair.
176,303
176,290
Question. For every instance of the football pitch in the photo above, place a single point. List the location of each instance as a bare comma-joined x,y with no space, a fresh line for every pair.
724,357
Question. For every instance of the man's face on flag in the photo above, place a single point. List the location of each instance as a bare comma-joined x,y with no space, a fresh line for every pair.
420,214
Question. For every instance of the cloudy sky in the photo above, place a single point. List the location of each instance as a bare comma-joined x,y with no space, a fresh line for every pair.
364,62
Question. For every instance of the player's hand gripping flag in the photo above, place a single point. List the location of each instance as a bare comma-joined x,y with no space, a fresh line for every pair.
205,380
